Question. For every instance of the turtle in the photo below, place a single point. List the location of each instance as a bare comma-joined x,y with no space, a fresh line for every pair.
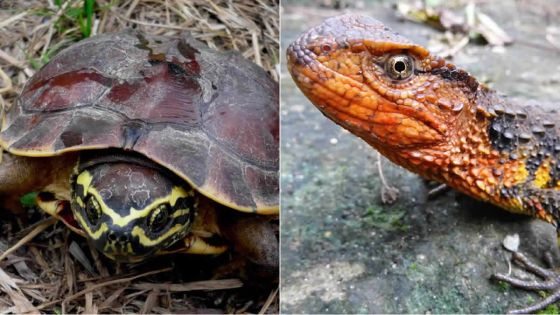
149,145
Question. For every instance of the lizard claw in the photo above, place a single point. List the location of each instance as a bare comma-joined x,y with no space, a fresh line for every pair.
550,282
389,194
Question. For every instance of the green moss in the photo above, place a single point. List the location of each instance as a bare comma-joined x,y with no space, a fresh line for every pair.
504,286
551,309
388,220
446,301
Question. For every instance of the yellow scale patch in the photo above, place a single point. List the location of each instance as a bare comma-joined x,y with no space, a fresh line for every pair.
542,175
542,180
521,174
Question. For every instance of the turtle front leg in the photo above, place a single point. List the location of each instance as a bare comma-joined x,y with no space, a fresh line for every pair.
255,237
195,244
20,175
15,181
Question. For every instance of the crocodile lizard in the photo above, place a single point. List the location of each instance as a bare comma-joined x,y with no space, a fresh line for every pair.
434,119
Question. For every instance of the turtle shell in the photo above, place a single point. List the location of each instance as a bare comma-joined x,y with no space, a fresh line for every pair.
210,117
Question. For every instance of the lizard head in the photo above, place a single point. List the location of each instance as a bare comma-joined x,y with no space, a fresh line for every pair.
379,85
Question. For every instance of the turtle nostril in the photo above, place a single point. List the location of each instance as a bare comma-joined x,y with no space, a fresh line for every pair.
123,239
112,237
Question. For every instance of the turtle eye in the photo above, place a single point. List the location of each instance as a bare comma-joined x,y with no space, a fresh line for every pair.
159,218
93,210
399,67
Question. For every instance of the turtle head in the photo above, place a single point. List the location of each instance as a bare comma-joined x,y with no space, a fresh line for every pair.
131,210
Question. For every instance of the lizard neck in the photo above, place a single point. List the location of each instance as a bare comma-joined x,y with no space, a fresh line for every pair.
469,160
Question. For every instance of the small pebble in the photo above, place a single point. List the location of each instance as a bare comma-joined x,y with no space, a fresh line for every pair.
511,242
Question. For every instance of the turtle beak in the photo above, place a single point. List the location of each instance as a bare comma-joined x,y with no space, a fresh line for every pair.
125,258
117,245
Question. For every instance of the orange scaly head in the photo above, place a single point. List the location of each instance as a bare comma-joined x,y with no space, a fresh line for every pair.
381,87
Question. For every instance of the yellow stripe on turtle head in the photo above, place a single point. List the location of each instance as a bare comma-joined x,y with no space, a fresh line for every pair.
148,242
85,180
94,235
177,192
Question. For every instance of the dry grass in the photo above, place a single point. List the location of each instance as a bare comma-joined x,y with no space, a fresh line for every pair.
57,271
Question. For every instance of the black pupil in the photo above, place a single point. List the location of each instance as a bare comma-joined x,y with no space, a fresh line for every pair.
400,66
160,220
91,211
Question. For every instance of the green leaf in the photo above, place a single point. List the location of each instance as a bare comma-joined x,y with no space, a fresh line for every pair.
88,10
74,13
36,63
82,24
28,200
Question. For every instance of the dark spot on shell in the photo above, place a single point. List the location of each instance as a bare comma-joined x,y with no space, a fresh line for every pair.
189,53
175,69
132,131
72,138
187,50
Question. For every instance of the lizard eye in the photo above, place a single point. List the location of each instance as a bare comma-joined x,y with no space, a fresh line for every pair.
399,67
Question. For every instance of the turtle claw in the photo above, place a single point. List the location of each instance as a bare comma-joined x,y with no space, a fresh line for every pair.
550,282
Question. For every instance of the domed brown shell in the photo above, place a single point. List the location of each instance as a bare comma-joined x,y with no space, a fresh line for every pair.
210,117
